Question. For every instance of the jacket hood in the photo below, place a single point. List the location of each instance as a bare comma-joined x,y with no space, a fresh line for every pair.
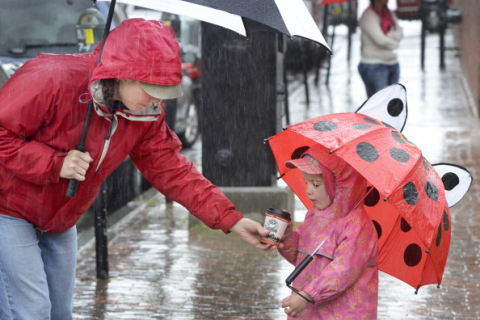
139,49
349,186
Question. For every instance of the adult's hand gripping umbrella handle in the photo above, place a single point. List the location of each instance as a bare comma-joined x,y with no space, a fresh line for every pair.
73,183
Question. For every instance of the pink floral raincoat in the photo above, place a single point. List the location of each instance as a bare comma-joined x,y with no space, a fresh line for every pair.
343,276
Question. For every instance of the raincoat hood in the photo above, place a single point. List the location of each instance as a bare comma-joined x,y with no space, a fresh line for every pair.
341,179
139,49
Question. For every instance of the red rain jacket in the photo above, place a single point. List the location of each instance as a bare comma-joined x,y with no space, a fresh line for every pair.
42,112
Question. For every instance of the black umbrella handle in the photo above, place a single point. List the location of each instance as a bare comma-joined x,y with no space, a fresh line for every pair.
298,269
73,183
302,265
72,188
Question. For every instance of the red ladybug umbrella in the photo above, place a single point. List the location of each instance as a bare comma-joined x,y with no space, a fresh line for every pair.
406,199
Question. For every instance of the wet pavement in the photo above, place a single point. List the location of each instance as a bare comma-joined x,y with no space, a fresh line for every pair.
161,269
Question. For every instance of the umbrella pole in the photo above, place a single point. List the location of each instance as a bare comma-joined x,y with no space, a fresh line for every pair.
100,208
108,24
73,184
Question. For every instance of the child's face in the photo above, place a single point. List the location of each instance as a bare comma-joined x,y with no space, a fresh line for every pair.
316,190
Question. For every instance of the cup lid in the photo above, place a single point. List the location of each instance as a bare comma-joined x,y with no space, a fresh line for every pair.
280,213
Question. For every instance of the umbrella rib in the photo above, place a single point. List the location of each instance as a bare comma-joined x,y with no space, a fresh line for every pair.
281,176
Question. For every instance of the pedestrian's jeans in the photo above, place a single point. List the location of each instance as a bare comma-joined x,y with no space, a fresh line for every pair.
378,76
37,271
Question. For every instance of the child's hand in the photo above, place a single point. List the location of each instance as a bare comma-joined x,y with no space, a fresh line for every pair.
294,304
286,235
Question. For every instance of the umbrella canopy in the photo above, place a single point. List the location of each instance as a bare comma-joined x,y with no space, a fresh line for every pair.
290,17
406,196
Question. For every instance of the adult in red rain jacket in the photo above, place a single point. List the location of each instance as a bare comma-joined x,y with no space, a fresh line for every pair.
42,113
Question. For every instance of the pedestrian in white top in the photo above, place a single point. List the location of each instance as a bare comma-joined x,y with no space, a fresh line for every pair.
381,35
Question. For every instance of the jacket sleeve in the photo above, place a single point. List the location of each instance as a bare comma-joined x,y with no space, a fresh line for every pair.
24,105
289,252
370,26
356,250
158,158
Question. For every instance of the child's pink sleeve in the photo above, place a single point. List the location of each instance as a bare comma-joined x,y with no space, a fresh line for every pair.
289,251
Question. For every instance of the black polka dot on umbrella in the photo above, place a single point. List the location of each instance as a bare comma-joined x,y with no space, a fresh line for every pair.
450,180
397,136
366,151
410,193
399,155
378,227
438,238
325,126
446,221
297,153
431,190
361,126
404,225
395,107
372,198
371,121
412,255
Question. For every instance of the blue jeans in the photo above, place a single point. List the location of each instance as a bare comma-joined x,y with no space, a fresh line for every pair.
378,76
37,271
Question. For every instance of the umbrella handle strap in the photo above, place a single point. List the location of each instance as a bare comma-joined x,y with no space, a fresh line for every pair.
301,295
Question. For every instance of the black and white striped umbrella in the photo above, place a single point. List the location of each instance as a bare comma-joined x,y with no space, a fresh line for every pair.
290,17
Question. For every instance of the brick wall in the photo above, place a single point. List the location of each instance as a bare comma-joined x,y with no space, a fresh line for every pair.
467,37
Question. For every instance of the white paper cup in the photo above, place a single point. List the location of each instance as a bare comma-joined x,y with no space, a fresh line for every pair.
276,221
